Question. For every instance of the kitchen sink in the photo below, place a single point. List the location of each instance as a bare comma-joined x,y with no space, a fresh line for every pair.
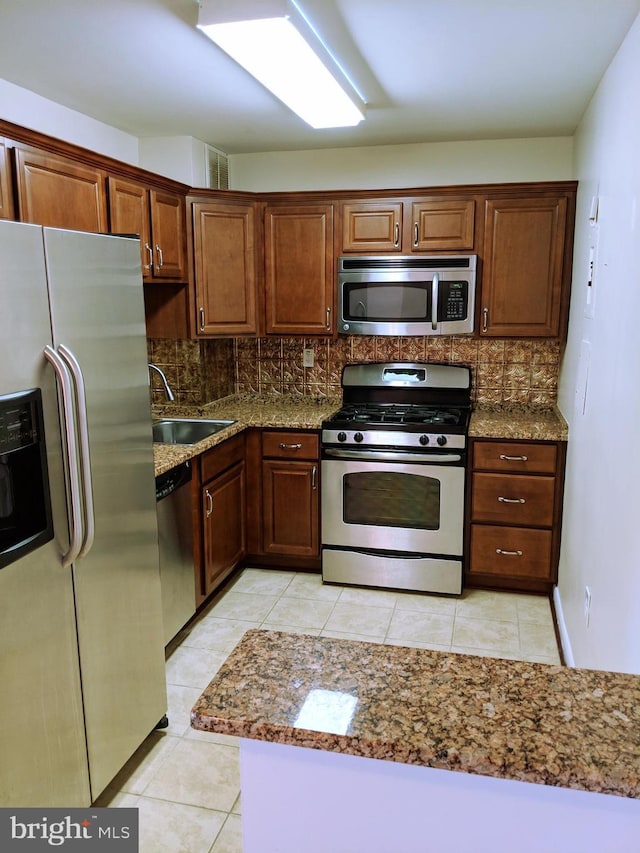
186,430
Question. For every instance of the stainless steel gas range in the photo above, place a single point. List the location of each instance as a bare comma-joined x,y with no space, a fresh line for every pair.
393,477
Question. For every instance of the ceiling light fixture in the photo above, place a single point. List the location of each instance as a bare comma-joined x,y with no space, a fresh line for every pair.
276,44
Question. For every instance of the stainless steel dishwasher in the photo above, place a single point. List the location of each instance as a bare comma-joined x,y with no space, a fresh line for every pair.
175,536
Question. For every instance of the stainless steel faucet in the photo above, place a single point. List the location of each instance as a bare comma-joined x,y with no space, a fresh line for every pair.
170,395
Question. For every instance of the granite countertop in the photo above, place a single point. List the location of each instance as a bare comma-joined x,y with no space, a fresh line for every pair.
531,722
513,422
299,412
286,412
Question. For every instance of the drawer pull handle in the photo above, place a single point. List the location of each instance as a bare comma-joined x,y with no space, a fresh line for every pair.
209,502
509,553
314,476
396,235
513,458
511,500
290,446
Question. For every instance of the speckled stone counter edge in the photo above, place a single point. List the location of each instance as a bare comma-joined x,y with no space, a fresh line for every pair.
528,722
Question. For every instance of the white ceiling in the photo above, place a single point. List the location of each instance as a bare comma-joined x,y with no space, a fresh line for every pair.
431,70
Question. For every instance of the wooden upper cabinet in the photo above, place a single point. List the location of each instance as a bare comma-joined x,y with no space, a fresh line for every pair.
159,218
442,224
524,285
372,227
129,214
6,197
59,192
417,225
168,219
225,268
299,269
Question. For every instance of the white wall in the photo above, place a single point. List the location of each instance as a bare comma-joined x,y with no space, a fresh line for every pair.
25,108
601,530
182,158
391,166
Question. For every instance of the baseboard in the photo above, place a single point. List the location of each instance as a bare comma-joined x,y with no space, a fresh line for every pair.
565,642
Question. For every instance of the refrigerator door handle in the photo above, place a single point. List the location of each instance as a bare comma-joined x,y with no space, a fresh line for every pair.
85,458
64,381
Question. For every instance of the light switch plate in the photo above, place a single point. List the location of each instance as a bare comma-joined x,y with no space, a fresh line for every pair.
307,358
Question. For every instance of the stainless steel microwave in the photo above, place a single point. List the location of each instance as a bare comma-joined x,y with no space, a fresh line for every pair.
387,295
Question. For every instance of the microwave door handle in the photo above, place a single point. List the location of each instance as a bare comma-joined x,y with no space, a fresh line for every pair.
434,301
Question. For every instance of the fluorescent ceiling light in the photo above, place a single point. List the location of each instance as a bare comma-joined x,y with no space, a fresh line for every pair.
277,50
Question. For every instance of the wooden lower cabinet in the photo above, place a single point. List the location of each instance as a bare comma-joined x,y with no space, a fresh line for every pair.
515,509
290,507
222,525
283,506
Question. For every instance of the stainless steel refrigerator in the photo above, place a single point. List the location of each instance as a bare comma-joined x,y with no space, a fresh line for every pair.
81,642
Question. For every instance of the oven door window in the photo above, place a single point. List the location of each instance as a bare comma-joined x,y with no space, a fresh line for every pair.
393,302
391,499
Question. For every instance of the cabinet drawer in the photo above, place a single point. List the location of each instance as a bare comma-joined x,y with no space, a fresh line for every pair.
509,499
510,552
221,457
290,445
514,457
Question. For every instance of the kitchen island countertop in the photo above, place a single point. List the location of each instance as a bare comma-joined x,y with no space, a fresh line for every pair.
515,720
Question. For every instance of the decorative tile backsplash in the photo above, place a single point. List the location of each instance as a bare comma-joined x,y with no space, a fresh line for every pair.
197,371
503,370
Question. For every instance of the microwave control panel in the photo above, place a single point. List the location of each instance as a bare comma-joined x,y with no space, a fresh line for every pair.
453,300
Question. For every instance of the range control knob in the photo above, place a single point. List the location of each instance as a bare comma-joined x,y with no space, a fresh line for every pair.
358,437
424,439
442,440
342,436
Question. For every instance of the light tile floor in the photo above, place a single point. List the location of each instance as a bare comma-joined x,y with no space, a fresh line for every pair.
186,784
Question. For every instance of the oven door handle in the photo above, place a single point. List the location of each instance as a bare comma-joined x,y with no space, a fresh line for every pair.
391,456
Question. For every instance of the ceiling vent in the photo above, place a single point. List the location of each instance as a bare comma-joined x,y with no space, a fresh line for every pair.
217,169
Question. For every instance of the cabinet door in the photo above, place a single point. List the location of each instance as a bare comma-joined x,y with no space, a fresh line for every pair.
222,506
60,193
299,274
225,268
522,287
372,227
129,214
290,508
168,221
442,224
6,197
